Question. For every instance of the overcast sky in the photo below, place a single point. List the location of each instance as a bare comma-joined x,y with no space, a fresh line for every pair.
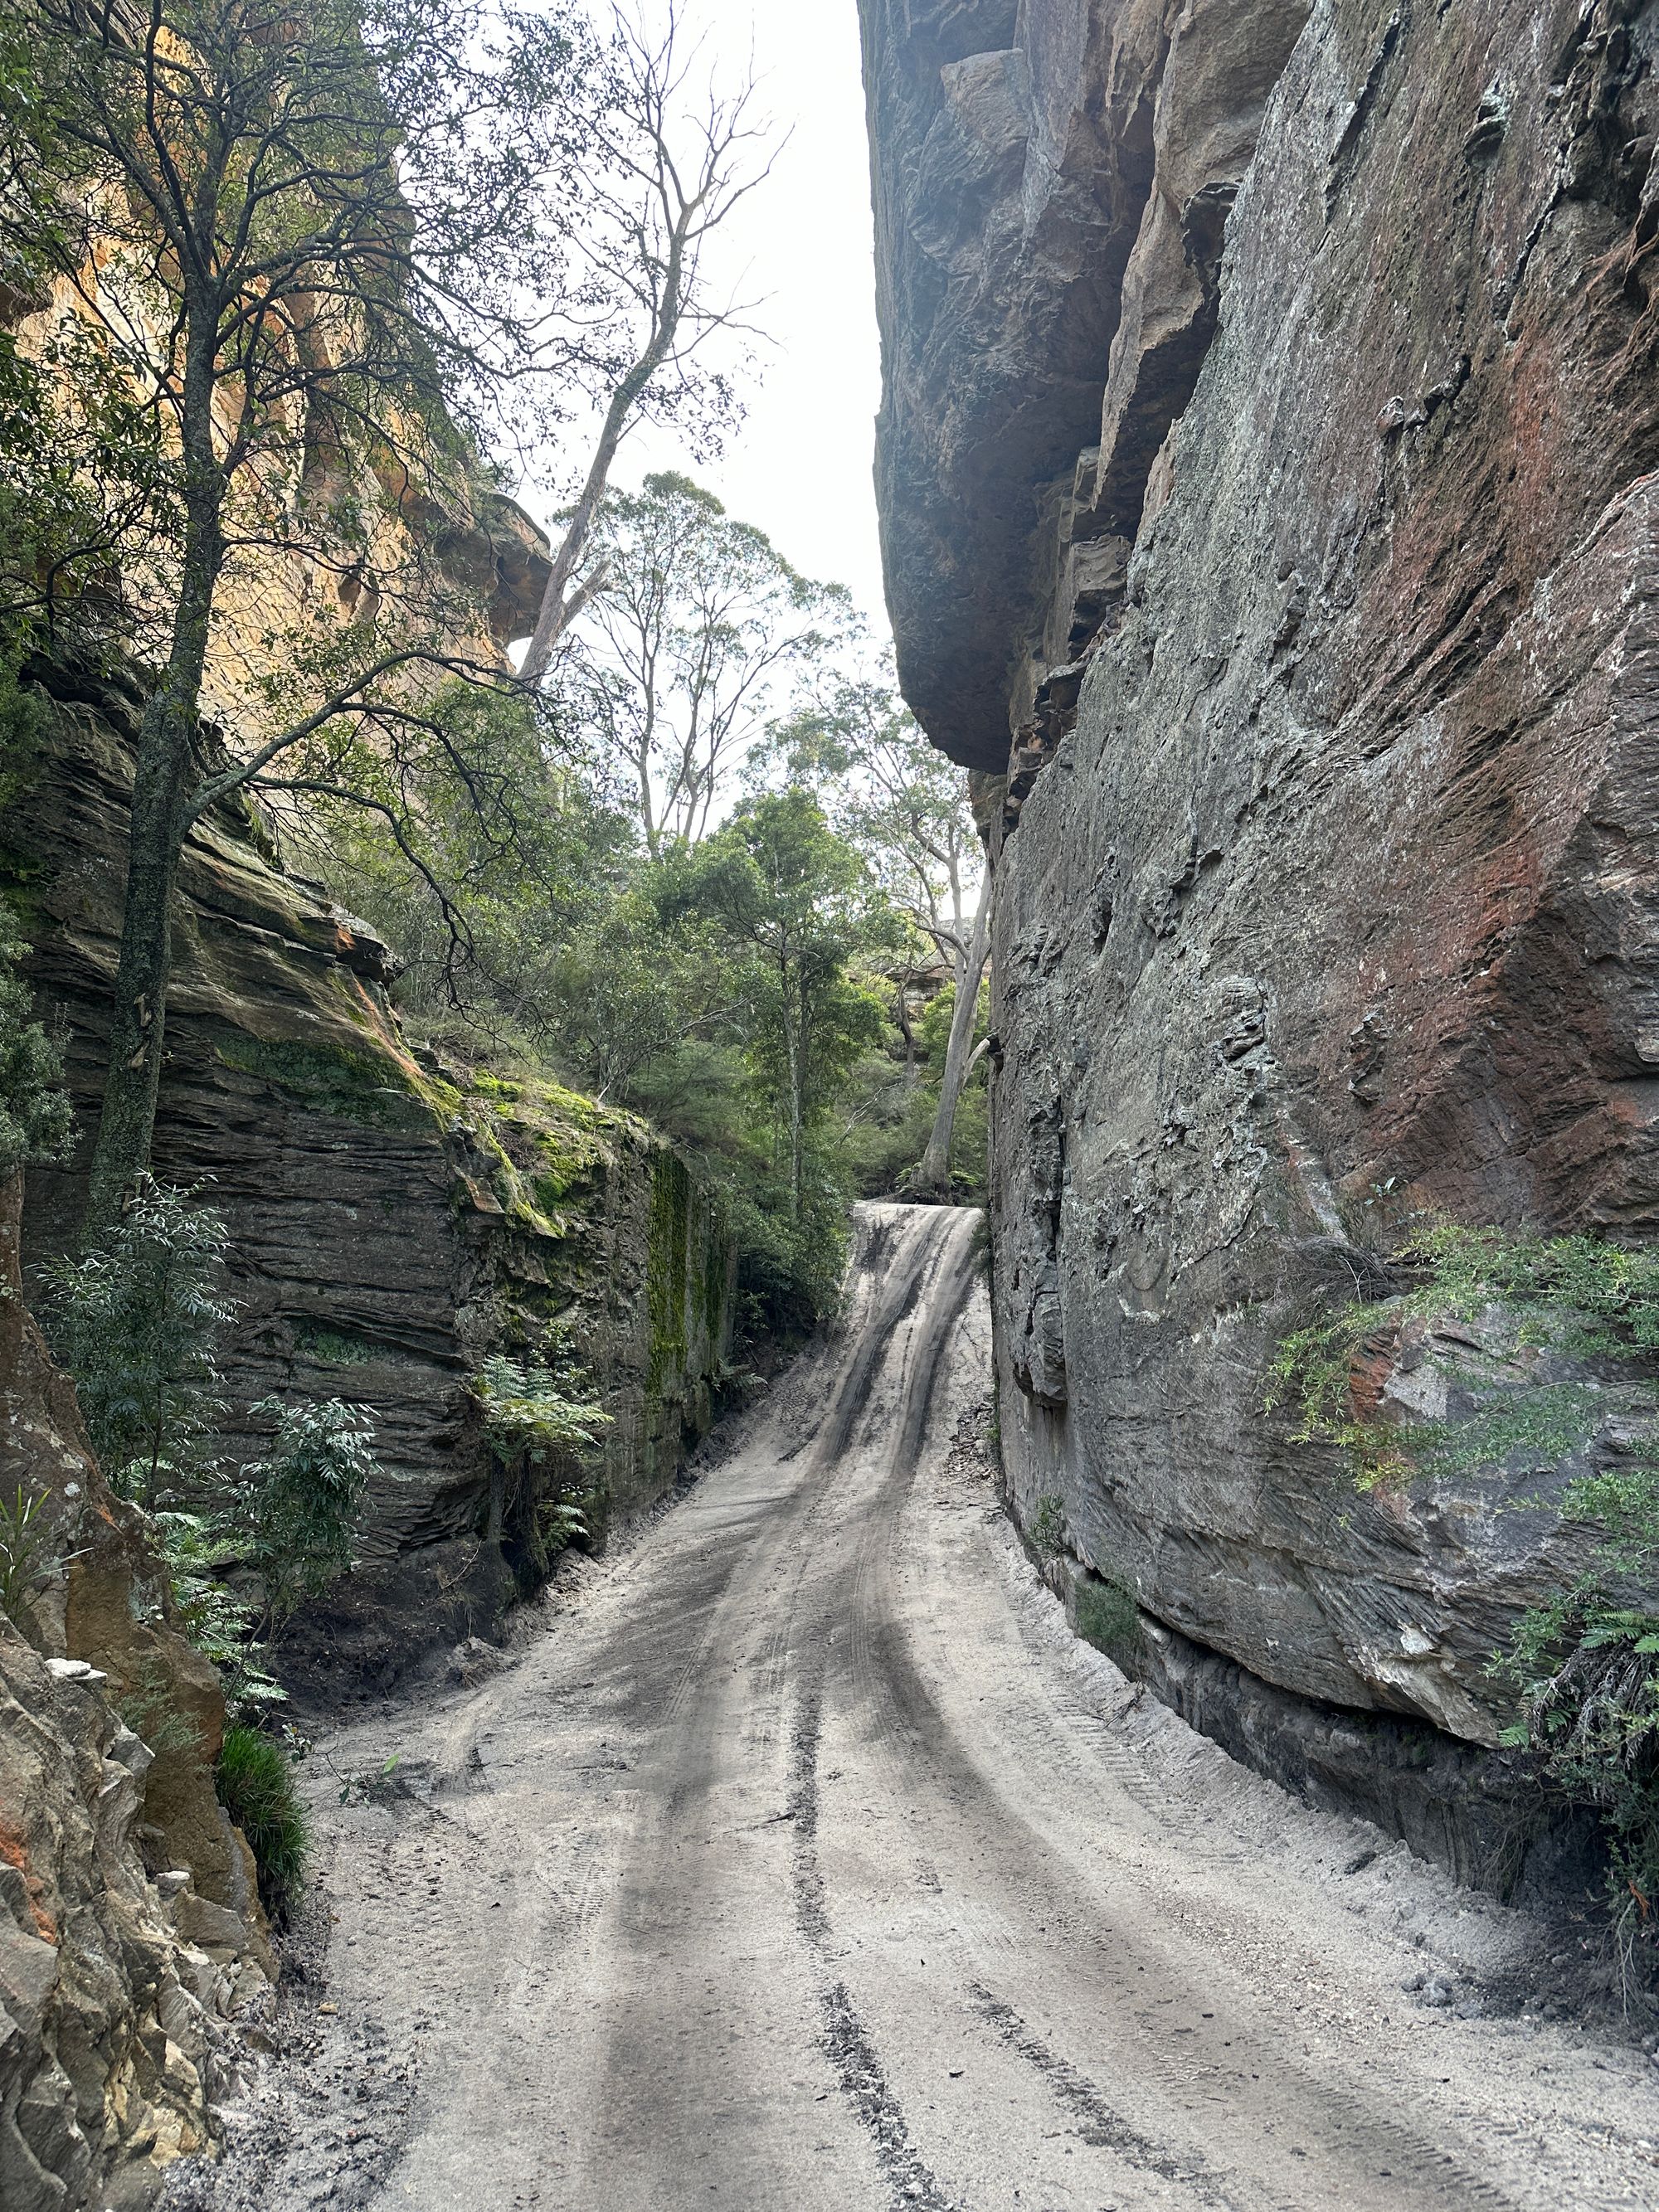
799,467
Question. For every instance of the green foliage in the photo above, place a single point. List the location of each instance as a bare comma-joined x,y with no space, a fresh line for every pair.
35,1123
1577,1296
792,907
704,636
332,1347
137,1320
200,1548
373,1785
1585,1666
151,1710
542,1430
529,1411
25,1551
256,1788
1047,1528
1108,1618
300,1502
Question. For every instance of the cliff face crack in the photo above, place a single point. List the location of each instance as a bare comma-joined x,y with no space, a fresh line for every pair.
1344,159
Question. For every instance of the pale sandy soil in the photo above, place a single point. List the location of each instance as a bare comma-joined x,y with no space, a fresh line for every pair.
800,1857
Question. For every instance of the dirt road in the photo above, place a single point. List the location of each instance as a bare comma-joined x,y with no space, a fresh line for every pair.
804,1860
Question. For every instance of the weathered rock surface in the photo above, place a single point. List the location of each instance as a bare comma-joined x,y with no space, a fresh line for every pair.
112,1987
1052,183
391,1224
1332,894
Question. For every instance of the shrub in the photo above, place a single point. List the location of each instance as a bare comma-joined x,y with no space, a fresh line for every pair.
34,1114
1047,1529
256,1788
529,1410
197,1547
1108,1618
137,1320
541,1430
300,1503
25,1551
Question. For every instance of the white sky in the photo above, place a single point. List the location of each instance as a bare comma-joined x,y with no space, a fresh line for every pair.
799,467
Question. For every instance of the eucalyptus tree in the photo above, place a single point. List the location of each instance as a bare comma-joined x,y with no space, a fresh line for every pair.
701,639
672,167
905,806
793,906
291,257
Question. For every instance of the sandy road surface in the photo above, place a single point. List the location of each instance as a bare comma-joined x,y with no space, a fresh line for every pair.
804,1860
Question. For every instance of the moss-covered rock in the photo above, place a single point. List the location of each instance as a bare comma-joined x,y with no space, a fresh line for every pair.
394,1219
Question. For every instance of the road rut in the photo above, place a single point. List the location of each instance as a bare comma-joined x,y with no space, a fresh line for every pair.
802,1859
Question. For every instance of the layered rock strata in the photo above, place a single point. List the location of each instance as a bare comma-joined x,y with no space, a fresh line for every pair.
1326,674
392,1221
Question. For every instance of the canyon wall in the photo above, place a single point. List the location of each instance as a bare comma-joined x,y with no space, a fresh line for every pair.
394,1219
130,1927
1266,459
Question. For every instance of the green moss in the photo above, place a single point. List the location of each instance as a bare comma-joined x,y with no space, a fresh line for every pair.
332,1347
570,1156
376,1091
1577,1296
671,1214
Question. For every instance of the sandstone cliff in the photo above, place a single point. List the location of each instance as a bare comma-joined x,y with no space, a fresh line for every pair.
130,1927
1266,463
392,1222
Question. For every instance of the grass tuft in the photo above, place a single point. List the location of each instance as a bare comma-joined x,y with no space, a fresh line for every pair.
256,1788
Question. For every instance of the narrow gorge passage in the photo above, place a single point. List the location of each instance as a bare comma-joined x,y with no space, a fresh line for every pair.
805,1860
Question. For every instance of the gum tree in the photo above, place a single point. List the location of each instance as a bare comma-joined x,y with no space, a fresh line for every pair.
905,807
794,905
701,633
674,170
303,248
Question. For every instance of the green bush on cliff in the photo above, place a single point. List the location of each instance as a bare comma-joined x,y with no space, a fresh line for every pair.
1108,1618
200,1548
1584,1668
541,1426
299,1504
256,1788
34,1114
137,1320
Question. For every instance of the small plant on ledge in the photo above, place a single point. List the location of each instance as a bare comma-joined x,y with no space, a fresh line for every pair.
1584,1667
541,1431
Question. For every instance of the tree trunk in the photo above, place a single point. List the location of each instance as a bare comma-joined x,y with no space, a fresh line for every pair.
557,610
933,1177
794,1041
139,1029
161,791
907,1031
